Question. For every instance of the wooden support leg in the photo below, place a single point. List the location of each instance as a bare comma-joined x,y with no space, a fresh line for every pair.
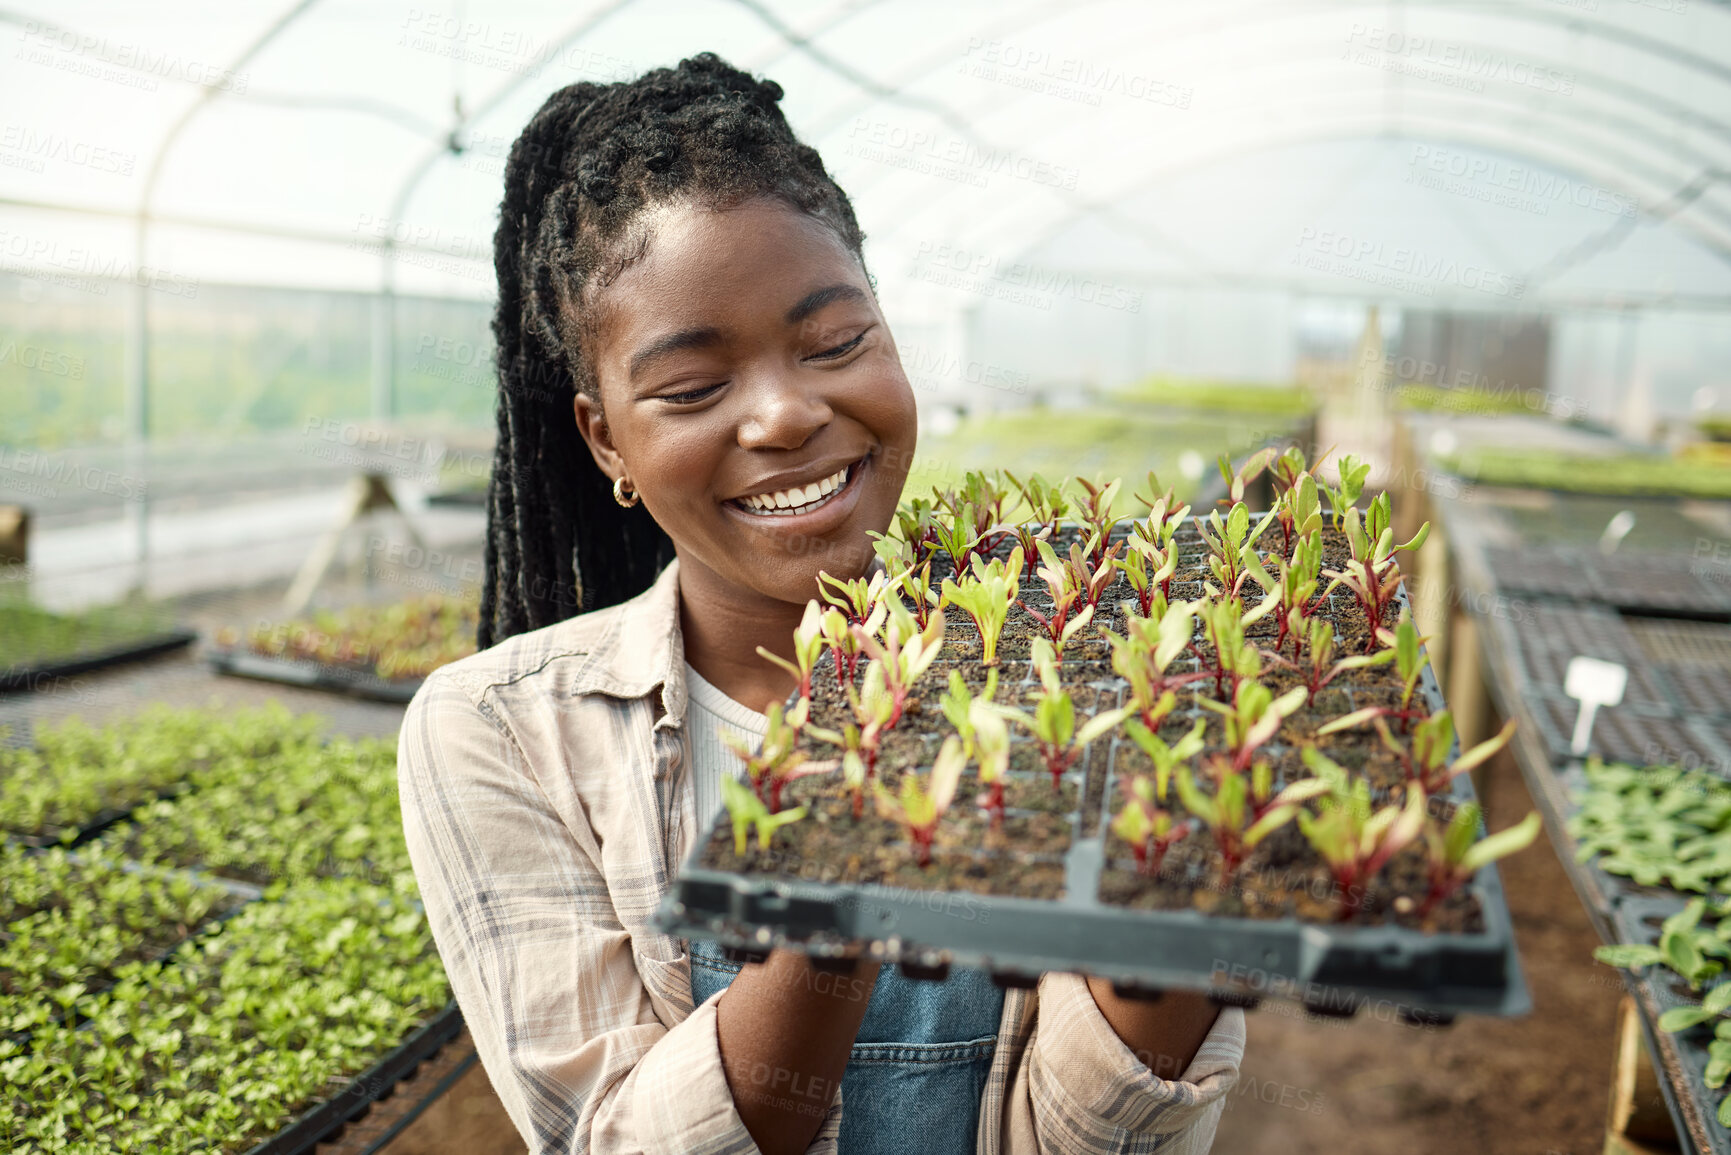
369,493
1638,1122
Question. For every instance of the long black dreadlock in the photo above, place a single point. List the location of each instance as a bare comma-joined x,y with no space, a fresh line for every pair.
586,167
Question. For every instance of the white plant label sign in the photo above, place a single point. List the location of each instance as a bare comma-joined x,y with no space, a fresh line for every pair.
1592,682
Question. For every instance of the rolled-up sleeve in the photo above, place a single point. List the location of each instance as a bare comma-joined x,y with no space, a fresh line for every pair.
1079,1088
538,959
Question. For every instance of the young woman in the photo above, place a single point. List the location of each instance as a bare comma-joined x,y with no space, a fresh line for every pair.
701,408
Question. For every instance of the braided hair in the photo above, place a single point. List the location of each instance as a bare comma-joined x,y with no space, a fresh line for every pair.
577,182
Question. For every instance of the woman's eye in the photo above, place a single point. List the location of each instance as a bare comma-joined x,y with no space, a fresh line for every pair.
841,350
691,396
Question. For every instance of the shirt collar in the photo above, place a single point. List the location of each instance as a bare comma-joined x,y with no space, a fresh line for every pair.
640,649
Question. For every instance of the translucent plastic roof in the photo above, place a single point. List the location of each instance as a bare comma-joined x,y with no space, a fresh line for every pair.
1512,153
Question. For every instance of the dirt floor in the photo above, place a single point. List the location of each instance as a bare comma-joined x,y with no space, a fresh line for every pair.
1536,1085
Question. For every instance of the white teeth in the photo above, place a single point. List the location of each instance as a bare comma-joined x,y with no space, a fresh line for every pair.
797,499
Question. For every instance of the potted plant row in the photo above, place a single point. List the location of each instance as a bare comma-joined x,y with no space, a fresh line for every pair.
1658,839
382,652
147,1005
38,645
1168,750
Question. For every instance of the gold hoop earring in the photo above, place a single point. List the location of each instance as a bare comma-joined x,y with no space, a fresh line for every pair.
619,494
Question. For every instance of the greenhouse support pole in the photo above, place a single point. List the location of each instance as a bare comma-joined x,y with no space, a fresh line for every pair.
385,344
137,381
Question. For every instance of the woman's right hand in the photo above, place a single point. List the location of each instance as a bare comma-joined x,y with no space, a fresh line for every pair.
786,1029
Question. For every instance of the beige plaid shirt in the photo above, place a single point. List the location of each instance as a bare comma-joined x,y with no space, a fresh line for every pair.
548,806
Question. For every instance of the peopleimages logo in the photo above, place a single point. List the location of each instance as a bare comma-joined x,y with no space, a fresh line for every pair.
1324,250
1485,178
1447,62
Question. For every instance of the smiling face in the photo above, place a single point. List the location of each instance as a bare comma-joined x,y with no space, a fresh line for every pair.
752,395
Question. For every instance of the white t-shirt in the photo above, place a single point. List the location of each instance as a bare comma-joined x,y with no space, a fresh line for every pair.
707,712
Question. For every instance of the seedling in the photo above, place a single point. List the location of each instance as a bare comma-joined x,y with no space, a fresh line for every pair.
1299,507
1426,761
987,598
1144,656
984,495
1372,575
1149,569
1252,719
1353,838
1342,498
1159,500
958,535
856,598
1686,947
916,524
778,760
1295,590
905,653
874,711
1403,650
1288,467
1224,624
1456,852
747,810
1252,469
958,704
807,646
1318,667
991,748
1053,722
1243,810
1150,558
1067,583
1028,538
1166,758
1149,828
911,581
843,641
1231,545
1047,504
919,808
1094,511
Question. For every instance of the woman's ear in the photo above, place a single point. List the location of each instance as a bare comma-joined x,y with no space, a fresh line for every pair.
592,424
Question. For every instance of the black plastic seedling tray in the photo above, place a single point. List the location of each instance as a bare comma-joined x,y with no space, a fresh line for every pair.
325,1121
1333,969
93,828
1681,1055
15,679
313,675
1665,585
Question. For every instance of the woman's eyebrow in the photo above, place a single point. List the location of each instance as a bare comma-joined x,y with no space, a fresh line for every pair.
672,343
818,298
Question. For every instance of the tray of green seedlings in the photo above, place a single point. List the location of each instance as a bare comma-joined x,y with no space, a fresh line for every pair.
77,780
1650,832
264,1037
69,920
382,652
1222,765
314,809
1676,953
38,646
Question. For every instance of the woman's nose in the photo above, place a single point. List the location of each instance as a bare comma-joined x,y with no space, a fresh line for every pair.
782,411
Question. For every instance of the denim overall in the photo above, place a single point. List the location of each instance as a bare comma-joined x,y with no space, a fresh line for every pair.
919,1063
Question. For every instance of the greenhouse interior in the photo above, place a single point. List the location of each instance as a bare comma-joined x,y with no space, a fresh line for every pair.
1275,538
